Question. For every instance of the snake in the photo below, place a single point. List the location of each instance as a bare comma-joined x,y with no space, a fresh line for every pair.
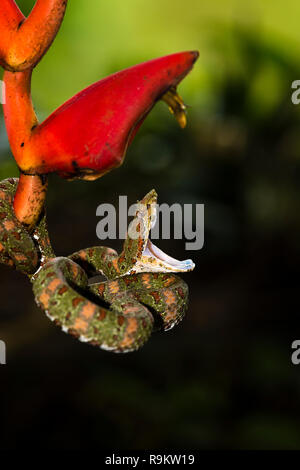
140,292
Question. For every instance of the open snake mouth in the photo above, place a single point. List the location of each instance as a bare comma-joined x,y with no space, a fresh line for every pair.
159,261
153,259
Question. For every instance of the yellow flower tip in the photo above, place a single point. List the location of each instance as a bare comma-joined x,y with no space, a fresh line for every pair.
176,106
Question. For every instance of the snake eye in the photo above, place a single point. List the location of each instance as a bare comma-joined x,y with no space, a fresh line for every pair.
123,267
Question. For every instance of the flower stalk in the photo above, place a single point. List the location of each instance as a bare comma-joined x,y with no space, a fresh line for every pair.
30,198
89,134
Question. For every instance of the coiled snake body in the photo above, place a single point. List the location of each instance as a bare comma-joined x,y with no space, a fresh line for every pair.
140,292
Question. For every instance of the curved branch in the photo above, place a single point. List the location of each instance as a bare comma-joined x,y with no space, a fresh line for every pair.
23,42
20,120
88,135
18,110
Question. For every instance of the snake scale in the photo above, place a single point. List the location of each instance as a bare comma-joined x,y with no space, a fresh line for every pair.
140,293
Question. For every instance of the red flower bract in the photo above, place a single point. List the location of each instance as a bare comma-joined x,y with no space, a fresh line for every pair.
89,134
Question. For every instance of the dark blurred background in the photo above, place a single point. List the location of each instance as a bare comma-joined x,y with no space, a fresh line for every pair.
223,379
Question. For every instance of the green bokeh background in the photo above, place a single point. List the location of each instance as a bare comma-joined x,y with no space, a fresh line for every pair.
223,379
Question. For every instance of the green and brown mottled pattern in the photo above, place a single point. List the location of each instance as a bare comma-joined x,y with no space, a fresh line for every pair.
107,261
61,289
166,294
18,248
116,315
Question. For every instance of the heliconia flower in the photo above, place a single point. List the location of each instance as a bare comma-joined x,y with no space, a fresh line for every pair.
89,134
24,41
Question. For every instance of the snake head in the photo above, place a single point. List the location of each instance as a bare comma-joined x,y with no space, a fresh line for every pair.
145,215
151,258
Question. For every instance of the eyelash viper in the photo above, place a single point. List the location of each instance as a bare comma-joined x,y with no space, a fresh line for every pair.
140,293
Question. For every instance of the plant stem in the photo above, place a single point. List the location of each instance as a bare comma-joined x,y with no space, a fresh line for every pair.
19,115
29,199
24,41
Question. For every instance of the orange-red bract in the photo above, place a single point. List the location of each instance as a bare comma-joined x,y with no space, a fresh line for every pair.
89,134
